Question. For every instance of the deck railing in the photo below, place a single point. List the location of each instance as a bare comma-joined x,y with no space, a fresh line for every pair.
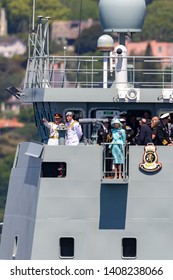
87,72
109,171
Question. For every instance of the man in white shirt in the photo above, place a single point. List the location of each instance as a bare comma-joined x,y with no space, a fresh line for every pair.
74,130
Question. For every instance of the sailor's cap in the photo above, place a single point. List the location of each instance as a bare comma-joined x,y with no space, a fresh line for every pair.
123,113
164,116
122,120
69,114
57,116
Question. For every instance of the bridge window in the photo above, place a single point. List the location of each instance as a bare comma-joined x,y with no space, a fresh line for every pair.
54,169
129,247
66,247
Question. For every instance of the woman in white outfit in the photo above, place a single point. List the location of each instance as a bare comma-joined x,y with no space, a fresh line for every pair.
53,127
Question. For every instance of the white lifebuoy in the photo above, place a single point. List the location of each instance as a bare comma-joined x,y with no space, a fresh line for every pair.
132,94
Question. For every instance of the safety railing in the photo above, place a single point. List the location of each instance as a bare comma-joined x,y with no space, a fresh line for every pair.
111,169
89,72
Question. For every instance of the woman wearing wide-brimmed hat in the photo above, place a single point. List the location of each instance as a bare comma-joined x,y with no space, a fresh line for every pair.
118,140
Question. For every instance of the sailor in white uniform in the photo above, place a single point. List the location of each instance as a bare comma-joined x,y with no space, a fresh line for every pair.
53,127
74,130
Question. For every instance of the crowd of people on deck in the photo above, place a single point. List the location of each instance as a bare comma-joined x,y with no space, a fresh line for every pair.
158,131
121,130
115,133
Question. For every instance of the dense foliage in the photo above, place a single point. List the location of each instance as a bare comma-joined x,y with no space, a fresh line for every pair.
82,8
11,73
158,22
19,12
87,42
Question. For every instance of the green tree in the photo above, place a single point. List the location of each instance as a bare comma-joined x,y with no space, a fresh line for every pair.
87,8
27,115
87,42
11,73
149,71
55,48
19,12
158,22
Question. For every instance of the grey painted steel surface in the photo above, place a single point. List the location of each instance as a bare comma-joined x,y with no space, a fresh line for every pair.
122,16
96,95
95,213
21,205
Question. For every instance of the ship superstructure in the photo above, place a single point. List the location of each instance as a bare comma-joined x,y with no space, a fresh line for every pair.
60,203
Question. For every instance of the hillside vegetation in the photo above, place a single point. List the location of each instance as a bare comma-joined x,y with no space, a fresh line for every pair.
158,23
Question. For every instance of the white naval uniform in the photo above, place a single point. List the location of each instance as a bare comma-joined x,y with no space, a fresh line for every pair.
54,135
74,133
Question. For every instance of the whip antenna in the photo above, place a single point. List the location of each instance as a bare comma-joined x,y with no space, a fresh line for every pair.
33,15
80,19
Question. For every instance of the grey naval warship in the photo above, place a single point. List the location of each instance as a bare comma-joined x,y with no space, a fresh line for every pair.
60,203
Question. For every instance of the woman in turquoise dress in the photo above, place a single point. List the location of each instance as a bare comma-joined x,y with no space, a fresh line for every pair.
116,146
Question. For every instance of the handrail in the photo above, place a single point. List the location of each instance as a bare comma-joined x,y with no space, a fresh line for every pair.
87,71
108,170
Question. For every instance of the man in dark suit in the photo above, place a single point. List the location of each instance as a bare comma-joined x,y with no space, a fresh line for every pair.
104,136
145,133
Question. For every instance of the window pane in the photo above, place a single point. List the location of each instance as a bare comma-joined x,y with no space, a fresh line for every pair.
53,169
67,247
129,247
15,245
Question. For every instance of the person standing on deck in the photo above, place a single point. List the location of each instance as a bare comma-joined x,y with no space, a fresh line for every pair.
129,131
145,133
162,136
74,130
104,135
154,124
116,146
53,127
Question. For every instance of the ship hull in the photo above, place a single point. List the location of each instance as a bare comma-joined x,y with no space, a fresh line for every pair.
98,215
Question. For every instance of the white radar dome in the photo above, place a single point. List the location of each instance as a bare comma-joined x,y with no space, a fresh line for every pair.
122,16
105,43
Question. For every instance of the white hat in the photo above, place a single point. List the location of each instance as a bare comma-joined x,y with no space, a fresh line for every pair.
164,116
69,114
115,120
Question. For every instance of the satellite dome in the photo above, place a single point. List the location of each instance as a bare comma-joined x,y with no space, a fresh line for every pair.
122,16
105,43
